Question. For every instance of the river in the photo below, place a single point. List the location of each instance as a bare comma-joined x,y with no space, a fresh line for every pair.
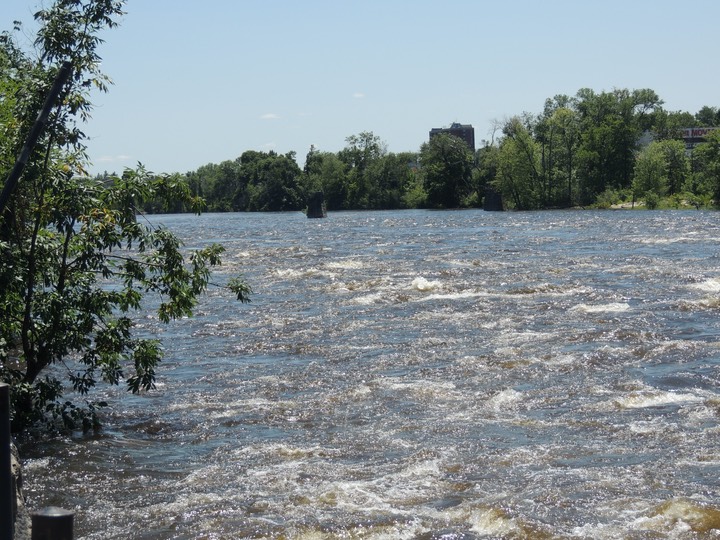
421,375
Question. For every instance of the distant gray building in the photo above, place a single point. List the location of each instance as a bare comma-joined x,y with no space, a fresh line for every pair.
463,131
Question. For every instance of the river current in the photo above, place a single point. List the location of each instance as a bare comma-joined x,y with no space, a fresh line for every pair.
421,375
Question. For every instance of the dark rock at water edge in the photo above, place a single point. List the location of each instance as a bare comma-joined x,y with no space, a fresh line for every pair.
316,205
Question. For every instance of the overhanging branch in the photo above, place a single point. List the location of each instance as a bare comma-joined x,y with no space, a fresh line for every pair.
34,135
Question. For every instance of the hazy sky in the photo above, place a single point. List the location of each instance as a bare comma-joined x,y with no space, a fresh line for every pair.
202,81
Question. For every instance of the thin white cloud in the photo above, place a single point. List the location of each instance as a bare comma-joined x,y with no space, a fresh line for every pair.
358,95
270,116
113,159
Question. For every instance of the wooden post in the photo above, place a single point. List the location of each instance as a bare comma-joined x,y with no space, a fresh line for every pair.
52,524
7,523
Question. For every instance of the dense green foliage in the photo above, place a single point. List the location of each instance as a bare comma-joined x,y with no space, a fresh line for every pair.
361,176
447,170
591,149
75,261
255,181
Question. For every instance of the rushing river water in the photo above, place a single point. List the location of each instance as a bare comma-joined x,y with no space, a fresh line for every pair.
422,375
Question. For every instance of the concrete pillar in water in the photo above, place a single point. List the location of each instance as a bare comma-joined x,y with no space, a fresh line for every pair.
493,201
316,205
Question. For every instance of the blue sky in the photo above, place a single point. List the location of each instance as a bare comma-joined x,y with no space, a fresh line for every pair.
201,82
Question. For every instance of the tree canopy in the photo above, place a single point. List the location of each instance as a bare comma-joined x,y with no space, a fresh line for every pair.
581,150
447,164
75,261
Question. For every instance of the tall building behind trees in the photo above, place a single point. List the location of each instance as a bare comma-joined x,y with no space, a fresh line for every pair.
462,131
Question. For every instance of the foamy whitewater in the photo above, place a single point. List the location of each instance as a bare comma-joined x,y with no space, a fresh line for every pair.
421,375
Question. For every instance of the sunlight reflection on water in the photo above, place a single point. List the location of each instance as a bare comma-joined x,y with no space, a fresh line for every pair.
413,374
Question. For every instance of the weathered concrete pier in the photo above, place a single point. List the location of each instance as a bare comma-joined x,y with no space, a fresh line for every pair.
316,205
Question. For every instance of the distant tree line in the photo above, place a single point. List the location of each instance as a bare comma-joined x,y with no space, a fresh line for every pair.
591,149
